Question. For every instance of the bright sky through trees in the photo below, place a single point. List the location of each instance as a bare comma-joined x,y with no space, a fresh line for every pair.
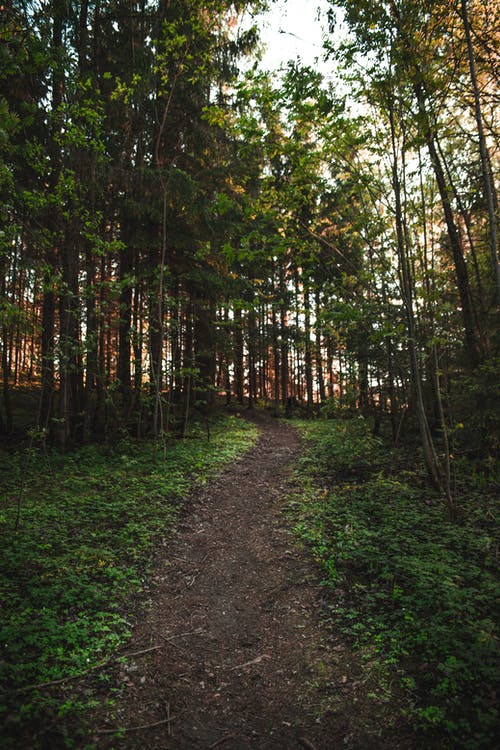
293,29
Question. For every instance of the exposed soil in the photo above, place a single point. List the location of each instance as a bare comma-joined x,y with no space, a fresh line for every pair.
233,650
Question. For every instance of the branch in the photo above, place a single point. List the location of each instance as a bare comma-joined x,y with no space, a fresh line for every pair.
140,727
329,244
100,665
307,744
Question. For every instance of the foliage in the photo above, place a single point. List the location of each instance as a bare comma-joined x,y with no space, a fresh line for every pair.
88,523
414,591
479,407
349,451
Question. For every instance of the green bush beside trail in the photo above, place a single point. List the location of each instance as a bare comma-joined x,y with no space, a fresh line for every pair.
415,591
88,524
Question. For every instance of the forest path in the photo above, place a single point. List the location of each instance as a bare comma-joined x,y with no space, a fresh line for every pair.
239,649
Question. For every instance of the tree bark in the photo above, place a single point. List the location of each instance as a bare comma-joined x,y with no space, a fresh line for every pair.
284,347
417,79
125,313
54,223
308,358
430,456
319,351
70,370
488,186
238,354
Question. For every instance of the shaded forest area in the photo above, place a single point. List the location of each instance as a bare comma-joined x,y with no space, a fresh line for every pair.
175,230
181,230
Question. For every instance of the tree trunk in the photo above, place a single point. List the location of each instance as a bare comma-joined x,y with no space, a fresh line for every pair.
70,370
188,366
252,352
362,356
488,186
308,359
284,348
461,273
430,456
6,425
319,352
238,355
276,359
417,79
54,222
125,314
204,351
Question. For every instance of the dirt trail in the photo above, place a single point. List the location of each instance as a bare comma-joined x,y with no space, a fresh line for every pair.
234,625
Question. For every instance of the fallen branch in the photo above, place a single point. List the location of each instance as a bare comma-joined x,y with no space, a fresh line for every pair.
139,653
169,719
222,741
100,665
305,743
257,660
64,679
139,728
170,638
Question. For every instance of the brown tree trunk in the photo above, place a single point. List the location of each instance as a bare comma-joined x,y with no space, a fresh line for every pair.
6,425
284,348
320,375
276,360
461,273
238,355
417,79
188,366
308,358
362,356
70,370
252,357
125,314
488,185
204,351
429,452
54,222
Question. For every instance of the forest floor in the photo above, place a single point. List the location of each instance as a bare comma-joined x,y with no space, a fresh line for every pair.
231,649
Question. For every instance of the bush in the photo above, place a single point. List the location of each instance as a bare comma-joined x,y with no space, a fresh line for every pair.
89,521
412,589
343,449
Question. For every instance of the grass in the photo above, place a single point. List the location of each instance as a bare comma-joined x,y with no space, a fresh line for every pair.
413,591
88,525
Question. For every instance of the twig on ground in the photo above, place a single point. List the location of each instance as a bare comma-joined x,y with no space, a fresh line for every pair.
306,743
139,653
175,645
192,579
70,677
170,639
169,718
222,740
257,660
100,665
140,727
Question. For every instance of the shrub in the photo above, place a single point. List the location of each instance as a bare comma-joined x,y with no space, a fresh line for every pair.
89,521
412,589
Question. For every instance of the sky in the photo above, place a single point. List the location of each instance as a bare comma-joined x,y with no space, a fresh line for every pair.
291,29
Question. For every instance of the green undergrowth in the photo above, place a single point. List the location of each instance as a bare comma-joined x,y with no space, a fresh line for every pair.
89,521
414,591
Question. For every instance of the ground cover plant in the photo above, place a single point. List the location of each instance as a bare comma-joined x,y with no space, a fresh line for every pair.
414,590
87,524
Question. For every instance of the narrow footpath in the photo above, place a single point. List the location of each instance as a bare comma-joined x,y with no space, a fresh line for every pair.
231,649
